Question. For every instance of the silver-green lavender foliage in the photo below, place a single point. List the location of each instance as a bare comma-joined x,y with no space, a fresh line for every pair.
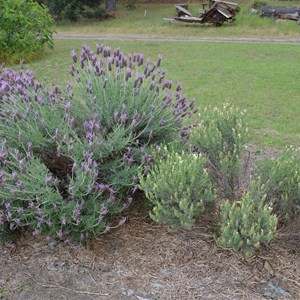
246,225
281,178
179,188
221,135
85,143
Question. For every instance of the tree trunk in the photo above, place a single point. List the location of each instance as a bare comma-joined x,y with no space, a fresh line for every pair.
111,6
277,11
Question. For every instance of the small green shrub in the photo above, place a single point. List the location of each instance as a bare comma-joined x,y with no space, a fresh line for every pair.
258,4
179,188
281,178
246,224
221,136
130,4
25,28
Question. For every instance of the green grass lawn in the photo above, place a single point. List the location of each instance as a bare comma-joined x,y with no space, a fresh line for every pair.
261,78
135,22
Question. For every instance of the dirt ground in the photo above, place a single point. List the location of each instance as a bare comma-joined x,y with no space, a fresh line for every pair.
146,261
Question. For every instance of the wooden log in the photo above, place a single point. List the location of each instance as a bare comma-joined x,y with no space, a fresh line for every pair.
293,17
276,11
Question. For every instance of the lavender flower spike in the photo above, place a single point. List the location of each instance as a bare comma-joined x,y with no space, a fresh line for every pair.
73,54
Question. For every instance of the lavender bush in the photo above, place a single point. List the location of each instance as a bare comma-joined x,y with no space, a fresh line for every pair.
70,157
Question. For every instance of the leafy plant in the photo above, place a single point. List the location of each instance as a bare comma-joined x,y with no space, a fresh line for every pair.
73,10
258,4
281,177
25,28
246,224
70,157
179,188
130,4
221,136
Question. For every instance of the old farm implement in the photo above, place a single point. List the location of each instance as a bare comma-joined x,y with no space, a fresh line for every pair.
218,13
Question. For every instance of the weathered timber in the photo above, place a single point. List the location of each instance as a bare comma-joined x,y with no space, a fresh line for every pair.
217,14
188,19
277,11
182,11
293,17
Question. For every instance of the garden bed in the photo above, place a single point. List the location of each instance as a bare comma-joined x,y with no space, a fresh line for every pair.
147,261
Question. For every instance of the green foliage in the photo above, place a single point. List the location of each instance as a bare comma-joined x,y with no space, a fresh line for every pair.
73,10
246,224
130,4
179,188
281,178
221,136
25,28
258,4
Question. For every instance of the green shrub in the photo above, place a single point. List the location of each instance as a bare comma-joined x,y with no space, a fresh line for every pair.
25,28
246,224
179,188
130,4
281,178
70,158
221,136
73,10
258,4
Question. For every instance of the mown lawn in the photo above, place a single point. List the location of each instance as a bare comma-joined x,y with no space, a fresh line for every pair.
261,78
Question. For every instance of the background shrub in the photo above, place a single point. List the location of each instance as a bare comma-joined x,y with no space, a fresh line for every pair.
221,136
25,28
73,10
246,224
281,178
179,188
85,143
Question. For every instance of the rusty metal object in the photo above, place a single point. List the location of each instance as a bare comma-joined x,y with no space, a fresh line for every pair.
218,13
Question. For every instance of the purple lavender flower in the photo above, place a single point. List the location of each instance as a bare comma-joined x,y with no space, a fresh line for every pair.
9,216
60,234
123,118
104,82
122,221
74,167
159,60
22,166
28,155
106,230
12,226
36,232
128,74
73,54
68,107
89,87
133,124
71,70
20,211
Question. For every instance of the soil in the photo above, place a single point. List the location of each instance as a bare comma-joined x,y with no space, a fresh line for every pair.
146,261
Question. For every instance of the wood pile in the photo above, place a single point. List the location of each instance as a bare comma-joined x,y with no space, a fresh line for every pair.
218,13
